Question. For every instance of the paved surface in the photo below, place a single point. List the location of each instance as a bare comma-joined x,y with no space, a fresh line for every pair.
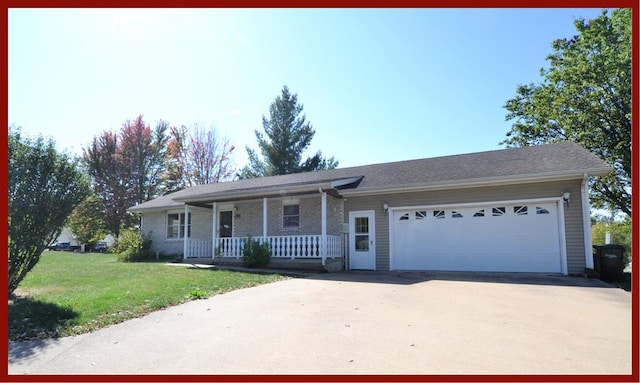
364,323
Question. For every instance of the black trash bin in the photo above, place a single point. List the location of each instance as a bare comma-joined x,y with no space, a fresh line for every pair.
608,261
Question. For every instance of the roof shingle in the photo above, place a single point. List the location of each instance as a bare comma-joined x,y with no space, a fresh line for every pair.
560,159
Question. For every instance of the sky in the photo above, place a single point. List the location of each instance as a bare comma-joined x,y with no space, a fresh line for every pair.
377,85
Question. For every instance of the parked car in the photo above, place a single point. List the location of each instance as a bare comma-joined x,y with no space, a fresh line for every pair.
100,247
63,246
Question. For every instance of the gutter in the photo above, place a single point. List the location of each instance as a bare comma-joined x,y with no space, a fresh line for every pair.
330,187
479,182
281,191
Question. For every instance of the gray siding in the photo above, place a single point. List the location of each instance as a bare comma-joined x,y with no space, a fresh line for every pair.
572,213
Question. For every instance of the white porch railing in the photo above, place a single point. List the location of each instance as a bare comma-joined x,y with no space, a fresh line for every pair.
199,248
289,246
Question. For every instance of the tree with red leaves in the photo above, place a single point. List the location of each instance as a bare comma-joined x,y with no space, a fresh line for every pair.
197,156
125,167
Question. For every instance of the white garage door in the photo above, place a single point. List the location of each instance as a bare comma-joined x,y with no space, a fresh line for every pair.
520,237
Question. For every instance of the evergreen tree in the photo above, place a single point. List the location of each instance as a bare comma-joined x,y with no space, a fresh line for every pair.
288,134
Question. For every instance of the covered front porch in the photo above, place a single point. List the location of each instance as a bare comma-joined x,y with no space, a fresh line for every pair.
318,229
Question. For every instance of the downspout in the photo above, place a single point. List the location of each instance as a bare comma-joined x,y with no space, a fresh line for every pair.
323,248
185,241
586,222
214,229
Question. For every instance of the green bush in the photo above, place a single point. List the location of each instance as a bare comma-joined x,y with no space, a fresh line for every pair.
255,254
133,246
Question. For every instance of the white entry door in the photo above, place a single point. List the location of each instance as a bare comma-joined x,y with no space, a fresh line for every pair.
362,251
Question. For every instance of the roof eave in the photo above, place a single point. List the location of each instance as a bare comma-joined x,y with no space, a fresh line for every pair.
136,209
482,182
258,193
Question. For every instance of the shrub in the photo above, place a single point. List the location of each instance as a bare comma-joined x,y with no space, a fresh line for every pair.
255,254
133,246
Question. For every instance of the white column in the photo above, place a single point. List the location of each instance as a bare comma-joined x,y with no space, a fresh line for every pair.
186,231
323,249
586,223
214,225
265,214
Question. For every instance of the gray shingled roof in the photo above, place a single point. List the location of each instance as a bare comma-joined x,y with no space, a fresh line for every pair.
552,161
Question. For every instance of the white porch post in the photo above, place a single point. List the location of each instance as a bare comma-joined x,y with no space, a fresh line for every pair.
264,219
586,223
323,248
214,225
186,232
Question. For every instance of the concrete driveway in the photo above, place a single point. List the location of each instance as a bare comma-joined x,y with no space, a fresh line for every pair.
364,323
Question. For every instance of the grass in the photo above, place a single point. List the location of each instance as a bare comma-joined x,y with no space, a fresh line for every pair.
71,293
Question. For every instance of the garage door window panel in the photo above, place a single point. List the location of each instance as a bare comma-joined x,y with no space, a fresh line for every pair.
541,210
520,210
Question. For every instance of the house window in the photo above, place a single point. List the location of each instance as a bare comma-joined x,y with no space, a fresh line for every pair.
455,214
291,216
175,225
438,214
404,217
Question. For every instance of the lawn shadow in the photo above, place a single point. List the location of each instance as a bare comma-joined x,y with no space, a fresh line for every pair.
33,323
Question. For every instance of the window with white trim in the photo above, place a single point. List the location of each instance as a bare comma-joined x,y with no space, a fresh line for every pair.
175,225
291,217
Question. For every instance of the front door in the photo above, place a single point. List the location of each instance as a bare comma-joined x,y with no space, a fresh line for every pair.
362,252
225,224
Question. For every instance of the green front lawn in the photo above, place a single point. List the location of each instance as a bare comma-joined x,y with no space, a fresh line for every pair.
71,293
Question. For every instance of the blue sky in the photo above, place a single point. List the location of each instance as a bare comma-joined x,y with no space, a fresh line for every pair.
377,85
